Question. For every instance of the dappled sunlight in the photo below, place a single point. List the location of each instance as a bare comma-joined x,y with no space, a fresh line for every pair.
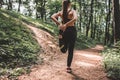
5,14
88,57
92,56
24,17
8,16
84,64
99,47
37,23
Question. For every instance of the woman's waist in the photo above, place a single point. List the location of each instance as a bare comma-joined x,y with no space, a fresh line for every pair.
70,28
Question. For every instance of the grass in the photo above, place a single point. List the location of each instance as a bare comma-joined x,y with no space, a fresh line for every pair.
35,22
18,48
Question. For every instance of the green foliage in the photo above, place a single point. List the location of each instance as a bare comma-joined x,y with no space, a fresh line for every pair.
112,61
84,42
54,6
36,22
13,73
17,45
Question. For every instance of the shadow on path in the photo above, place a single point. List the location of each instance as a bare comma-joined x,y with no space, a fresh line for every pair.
76,77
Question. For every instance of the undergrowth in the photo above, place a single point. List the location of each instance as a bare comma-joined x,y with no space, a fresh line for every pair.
112,61
18,48
83,42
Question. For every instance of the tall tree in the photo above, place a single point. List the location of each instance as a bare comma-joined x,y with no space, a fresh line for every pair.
53,7
75,2
1,3
10,5
107,28
19,5
80,14
90,18
116,14
40,8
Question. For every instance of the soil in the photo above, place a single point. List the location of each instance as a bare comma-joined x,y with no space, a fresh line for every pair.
87,64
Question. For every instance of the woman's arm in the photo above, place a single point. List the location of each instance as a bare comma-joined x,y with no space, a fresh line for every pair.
73,20
54,18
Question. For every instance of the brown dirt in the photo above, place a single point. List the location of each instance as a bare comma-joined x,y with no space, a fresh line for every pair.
86,65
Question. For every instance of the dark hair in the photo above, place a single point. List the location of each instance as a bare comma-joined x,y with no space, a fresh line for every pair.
65,7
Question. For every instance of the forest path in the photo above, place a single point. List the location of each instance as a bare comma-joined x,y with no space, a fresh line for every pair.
86,65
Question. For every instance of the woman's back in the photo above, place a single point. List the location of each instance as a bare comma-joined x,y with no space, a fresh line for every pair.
70,16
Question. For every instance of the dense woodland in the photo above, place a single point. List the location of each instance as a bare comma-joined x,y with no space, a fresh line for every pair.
98,22
97,19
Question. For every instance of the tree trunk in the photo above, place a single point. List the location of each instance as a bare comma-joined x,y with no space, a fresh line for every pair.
80,19
1,3
44,10
90,19
107,30
10,5
116,14
94,30
75,5
36,7
19,5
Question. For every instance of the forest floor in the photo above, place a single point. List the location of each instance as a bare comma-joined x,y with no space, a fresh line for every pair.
86,65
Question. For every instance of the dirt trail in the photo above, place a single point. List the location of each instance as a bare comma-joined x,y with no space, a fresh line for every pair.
86,65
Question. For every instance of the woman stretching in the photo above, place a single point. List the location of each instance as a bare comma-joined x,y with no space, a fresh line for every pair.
67,32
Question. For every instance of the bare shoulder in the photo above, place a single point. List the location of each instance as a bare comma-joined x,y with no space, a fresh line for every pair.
73,10
60,13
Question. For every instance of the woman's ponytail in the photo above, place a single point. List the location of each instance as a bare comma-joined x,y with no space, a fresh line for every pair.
65,8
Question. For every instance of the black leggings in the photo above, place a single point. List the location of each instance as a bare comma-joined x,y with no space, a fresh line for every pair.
67,42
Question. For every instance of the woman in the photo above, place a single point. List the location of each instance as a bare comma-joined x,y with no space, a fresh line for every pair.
67,32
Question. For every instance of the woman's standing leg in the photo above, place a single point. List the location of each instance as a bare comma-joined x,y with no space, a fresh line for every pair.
71,45
70,52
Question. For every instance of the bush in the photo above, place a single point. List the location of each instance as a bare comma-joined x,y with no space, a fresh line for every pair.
84,42
17,45
112,62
